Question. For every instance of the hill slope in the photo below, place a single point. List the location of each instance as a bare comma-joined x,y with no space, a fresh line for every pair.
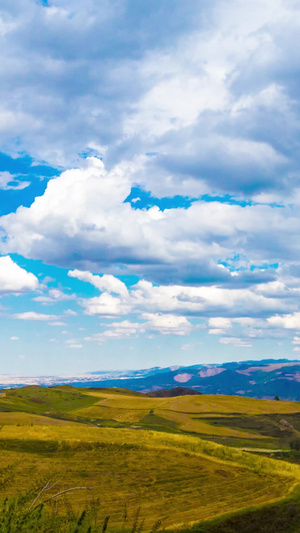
237,421
168,473
177,477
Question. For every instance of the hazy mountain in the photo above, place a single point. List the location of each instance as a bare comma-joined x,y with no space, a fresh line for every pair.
260,379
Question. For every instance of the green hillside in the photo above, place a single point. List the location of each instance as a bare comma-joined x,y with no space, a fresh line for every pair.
43,400
127,451
231,420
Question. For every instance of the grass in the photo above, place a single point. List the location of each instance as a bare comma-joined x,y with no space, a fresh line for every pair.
42,400
231,420
234,420
279,517
146,452
181,478
28,419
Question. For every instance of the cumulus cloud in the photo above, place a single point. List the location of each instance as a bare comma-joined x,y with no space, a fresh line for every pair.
201,102
289,321
82,221
218,325
167,324
166,310
218,77
106,282
117,330
70,312
14,279
90,73
144,297
164,324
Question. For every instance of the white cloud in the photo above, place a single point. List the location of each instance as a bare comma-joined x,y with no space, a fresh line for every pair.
117,330
216,106
14,279
77,346
73,343
216,331
198,301
14,338
105,305
8,181
106,282
175,87
32,315
54,295
290,321
239,343
153,324
82,221
219,322
218,325
167,324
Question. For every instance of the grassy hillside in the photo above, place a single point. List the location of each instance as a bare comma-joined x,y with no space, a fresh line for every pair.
43,400
279,517
103,442
177,477
236,421
225,419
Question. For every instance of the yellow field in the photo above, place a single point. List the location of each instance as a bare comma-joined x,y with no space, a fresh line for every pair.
28,419
214,417
104,441
185,411
178,477
213,404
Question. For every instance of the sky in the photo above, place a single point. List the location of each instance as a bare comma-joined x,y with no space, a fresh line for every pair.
149,183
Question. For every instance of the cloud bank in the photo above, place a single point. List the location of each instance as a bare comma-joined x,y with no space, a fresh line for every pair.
195,112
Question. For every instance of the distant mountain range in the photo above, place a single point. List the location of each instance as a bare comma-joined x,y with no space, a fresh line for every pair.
259,379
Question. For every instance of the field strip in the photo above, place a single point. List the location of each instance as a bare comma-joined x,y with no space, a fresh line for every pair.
187,444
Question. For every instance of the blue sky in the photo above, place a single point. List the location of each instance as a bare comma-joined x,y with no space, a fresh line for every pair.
149,183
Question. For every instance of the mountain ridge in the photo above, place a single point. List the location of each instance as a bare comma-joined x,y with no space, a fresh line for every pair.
264,379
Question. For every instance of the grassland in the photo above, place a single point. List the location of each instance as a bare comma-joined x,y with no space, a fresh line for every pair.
279,517
153,453
223,418
181,478
231,420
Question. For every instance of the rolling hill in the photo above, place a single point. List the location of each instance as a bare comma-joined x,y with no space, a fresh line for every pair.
179,459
